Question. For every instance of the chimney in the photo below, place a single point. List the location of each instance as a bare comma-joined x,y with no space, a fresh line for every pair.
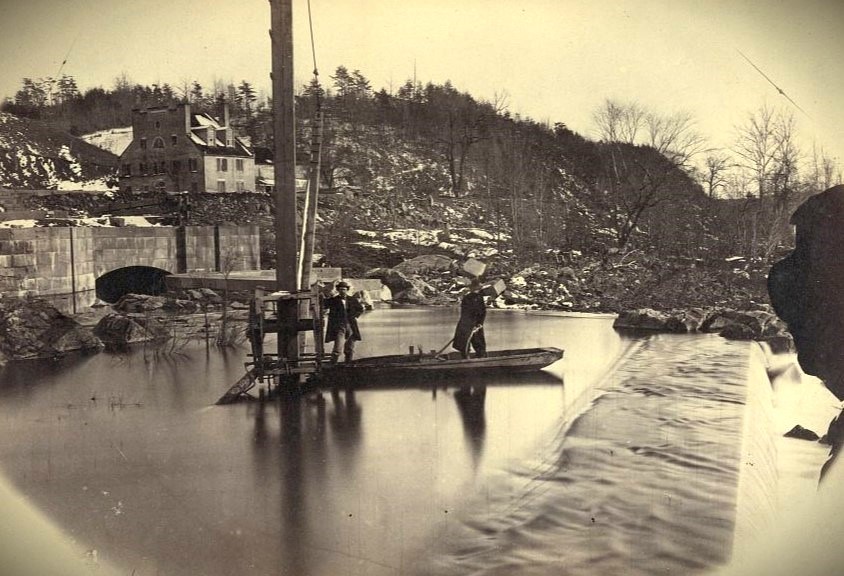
225,114
186,106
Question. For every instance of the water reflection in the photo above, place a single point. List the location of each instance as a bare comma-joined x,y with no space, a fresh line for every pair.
284,486
470,403
345,419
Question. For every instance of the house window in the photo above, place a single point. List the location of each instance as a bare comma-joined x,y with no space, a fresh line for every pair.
143,143
192,164
240,186
157,124
238,164
158,142
177,166
160,186
174,139
222,164
194,187
142,168
221,185
127,169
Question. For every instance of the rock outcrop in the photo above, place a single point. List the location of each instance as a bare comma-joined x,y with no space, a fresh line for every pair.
119,329
759,325
36,329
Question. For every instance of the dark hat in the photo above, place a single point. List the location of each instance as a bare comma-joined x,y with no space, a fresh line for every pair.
342,284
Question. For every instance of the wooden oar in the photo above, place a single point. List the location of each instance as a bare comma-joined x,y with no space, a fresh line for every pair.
444,347
447,344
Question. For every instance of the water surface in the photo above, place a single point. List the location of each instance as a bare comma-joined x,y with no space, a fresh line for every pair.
128,454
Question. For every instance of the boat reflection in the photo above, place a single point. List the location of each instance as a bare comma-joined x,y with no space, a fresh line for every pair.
537,378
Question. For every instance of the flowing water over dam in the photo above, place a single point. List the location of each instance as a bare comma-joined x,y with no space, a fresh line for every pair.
624,458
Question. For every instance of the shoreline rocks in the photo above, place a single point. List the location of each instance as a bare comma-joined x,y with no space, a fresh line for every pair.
32,329
759,325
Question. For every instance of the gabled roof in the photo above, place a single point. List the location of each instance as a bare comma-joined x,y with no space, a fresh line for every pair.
203,120
219,149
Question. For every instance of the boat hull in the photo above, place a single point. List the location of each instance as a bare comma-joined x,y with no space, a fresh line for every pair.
441,367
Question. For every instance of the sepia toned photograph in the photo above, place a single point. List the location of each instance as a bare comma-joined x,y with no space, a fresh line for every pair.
421,288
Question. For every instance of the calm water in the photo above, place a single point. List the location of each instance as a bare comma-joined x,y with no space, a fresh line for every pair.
621,460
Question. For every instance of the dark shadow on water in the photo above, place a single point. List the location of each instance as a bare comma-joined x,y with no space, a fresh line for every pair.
345,418
470,403
538,377
293,456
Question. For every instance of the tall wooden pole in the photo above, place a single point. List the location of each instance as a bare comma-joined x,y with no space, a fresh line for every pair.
313,198
284,161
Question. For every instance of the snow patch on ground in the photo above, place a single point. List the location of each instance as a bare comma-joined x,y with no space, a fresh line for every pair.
136,221
96,185
18,224
115,140
373,245
64,153
416,236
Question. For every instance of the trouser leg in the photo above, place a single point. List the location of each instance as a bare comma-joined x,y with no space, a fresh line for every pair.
339,345
349,349
479,343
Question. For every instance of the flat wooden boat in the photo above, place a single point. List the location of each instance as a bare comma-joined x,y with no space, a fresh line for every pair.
441,366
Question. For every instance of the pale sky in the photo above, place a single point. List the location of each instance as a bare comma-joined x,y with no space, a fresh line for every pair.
555,60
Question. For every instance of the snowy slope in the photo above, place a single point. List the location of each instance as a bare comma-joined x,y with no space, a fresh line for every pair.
34,155
115,140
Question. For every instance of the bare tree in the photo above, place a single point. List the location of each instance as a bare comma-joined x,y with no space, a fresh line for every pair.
767,147
675,137
824,170
635,180
715,175
619,122
756,146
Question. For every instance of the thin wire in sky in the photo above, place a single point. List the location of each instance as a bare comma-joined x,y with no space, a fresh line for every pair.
780,90
66,56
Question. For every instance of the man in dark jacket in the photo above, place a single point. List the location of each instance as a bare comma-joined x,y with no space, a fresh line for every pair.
470,327
343,311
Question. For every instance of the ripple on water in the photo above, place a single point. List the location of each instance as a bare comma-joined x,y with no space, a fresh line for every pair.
643,482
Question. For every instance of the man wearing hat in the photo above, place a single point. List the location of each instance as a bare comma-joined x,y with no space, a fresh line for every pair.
343,311
470,326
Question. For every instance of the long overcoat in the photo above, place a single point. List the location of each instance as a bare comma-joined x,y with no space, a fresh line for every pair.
339,316
472,313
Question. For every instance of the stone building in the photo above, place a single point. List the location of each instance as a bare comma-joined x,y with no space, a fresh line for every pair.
175,150
265,171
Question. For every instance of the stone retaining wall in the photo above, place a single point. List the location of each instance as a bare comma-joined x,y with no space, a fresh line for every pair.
63,264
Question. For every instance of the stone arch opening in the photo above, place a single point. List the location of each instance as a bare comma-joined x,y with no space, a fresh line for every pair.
110,287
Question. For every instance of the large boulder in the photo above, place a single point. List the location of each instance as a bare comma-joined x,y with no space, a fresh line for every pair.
36,329
425,264
121,329
642,319
687,320
403,289
134,303
807,287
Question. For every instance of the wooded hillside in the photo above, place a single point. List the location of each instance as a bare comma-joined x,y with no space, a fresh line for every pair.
432,157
